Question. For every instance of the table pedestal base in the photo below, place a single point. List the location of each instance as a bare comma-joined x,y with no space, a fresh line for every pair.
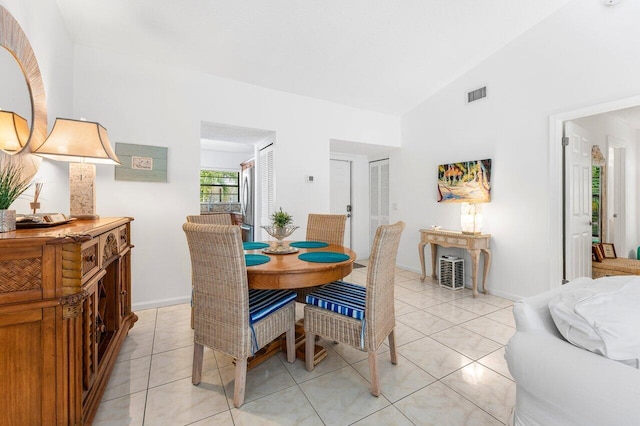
265,353
320,353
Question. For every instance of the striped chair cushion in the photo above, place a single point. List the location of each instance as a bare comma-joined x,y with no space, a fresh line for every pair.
340,297
265,302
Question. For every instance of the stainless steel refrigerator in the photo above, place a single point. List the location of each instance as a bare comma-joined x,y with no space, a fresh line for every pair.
247,200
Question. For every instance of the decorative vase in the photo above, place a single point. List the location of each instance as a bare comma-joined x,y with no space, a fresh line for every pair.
7,220
280,233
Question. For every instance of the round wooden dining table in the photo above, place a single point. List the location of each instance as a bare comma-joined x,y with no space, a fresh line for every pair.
287,271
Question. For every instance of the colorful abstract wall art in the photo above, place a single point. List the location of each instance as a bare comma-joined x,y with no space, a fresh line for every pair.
465,182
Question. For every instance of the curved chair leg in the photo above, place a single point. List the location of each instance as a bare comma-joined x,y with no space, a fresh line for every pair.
291,344
309,349
196,371
373,373
392,347
240,381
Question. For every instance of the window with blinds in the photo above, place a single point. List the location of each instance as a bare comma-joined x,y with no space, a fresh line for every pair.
268,185
378,196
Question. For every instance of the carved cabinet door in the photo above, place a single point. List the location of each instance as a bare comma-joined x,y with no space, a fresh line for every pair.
27,362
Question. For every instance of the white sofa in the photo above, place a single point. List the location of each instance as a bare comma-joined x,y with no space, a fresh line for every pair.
558,383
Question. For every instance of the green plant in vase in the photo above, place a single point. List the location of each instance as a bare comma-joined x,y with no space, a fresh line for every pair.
281,227
12,185
281,219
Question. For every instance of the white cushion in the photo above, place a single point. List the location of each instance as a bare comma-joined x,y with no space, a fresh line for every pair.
603,317
532,313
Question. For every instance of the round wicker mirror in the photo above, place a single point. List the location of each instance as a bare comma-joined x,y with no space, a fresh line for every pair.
13,38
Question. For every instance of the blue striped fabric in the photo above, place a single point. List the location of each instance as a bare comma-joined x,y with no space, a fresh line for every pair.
265,302
340,297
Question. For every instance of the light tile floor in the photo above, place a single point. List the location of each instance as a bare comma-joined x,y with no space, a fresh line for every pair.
451,371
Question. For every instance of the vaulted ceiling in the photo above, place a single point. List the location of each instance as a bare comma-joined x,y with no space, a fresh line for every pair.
381,55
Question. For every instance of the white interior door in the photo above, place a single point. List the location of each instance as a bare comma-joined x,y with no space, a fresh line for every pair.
577,202
340,203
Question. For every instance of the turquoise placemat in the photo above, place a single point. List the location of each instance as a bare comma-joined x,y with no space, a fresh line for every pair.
256,259
323,257
253,245
309,244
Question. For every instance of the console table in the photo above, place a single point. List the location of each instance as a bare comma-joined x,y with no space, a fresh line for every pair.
65,309
474,244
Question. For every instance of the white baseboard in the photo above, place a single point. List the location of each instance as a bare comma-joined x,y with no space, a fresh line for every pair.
141,306
409,268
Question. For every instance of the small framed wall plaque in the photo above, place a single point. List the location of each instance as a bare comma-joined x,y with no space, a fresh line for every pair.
608,251
141,163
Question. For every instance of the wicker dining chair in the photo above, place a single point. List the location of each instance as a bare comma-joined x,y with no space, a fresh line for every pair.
361,317
211,219
229,317
328,228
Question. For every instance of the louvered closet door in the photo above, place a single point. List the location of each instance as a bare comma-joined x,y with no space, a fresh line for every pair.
267,188
378,196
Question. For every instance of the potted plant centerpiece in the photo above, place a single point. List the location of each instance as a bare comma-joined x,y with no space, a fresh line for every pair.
281,227
12,185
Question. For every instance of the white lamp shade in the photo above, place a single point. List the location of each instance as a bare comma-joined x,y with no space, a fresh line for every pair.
14,131
78,141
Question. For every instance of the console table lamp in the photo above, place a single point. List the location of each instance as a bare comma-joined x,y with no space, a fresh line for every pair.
471,218
14,131
82,143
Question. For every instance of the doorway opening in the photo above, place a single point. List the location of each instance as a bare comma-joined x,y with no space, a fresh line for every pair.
238,151
359,155
626,114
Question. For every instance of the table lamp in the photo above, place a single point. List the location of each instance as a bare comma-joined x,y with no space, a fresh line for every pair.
597,158
471,218
83,143
14,131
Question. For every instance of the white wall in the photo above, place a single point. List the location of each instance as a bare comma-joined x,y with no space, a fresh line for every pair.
600,127
583,55
143,103
223,160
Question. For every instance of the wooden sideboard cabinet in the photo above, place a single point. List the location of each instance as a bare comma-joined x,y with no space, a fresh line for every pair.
65,309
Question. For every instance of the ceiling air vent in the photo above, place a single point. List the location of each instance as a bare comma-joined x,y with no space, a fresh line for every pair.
477,94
